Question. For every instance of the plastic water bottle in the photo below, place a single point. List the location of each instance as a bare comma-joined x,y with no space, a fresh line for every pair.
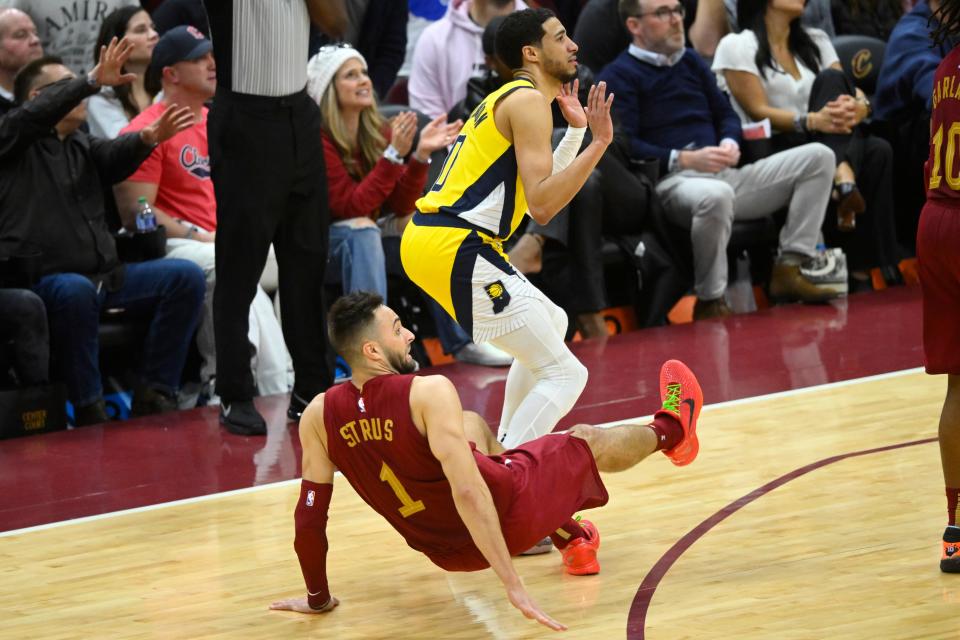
146,219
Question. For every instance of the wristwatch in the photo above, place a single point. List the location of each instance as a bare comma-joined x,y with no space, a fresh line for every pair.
92,81
392,155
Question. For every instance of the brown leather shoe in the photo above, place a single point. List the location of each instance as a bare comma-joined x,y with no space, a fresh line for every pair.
147,401
706,309
787,284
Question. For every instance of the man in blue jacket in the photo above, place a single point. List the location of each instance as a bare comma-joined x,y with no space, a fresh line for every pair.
670,108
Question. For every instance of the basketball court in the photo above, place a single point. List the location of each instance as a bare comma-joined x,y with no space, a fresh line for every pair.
813,511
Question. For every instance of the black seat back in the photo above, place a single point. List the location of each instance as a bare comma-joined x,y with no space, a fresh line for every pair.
861,58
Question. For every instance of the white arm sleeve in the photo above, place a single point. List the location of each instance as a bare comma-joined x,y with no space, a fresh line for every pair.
567,150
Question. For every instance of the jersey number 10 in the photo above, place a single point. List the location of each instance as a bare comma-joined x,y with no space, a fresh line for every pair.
408,506
953,181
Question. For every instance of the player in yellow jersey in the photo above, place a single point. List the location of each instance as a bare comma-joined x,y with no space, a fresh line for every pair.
499,168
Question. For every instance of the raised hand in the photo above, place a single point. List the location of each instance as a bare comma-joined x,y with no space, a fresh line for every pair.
437,134
598,113
109,70
300,605
570,107
173,120
520,599
403,127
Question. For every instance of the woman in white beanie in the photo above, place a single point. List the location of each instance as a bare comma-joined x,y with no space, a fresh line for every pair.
369,175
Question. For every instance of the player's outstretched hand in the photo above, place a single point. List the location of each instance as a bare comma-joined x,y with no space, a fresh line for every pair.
570,107
521,600
598,113
300,605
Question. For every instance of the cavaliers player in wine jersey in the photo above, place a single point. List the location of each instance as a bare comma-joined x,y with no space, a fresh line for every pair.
439,477
938,256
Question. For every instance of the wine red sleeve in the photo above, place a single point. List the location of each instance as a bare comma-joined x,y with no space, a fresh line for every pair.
311,539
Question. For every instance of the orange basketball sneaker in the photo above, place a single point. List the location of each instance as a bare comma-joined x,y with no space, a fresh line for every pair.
580,555
950,560
682,398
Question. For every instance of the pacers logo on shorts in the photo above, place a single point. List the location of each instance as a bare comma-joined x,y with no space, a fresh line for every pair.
499,295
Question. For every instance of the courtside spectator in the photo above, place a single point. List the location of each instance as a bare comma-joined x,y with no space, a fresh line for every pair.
450,52
112,109
778,69
19,44
874,18
175,181
69,29
51,177
371,179
668,104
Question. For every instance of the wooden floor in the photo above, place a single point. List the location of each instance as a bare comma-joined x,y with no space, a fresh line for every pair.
846,550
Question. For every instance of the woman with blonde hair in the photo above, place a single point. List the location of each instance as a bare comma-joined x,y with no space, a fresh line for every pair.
371,179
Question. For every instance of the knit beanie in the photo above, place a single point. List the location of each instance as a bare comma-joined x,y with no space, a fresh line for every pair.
324,66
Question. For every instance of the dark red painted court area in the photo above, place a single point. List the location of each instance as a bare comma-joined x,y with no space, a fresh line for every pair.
92,470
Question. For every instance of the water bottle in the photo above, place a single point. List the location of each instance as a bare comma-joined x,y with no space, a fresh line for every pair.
146,220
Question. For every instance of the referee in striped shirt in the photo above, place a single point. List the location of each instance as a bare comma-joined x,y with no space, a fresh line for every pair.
270,184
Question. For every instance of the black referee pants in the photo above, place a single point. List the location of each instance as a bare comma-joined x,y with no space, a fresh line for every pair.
270,184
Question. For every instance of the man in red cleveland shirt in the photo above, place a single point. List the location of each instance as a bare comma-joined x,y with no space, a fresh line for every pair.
440,478
938,239
175,180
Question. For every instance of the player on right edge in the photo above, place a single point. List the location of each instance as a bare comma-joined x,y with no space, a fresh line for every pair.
938,255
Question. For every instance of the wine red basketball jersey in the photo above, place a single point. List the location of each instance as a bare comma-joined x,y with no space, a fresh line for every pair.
372,440
942,170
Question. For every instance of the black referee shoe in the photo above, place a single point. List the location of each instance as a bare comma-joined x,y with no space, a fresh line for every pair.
241,418
297,407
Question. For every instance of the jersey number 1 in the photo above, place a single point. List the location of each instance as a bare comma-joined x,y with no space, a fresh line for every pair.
409,506
448,163
952,134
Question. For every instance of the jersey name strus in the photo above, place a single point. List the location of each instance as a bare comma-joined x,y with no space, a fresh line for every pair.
366,429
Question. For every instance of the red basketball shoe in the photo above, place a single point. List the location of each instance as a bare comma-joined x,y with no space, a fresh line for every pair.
580,554
682,399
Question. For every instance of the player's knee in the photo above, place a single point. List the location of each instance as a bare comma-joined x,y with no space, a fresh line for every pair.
576,375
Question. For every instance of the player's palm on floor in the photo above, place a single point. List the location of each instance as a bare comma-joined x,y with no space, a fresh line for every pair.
522,601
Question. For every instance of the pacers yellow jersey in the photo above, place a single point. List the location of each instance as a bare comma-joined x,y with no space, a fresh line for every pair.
479,183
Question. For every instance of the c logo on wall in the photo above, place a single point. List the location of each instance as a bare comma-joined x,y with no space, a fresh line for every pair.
861,64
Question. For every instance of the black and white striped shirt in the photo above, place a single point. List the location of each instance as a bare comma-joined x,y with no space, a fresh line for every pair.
260,46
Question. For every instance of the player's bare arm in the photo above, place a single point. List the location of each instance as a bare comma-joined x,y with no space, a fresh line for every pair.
525,119
317,469
330,16
435,407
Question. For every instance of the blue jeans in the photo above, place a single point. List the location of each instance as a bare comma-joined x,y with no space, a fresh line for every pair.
356,259
169,292
358,262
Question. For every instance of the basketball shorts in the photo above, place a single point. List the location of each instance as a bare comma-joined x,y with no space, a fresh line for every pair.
468,274
938,257
552,478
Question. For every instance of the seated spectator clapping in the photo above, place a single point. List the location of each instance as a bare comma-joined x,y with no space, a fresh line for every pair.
51,176
368,176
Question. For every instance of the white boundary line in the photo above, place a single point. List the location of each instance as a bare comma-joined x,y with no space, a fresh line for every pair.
282,483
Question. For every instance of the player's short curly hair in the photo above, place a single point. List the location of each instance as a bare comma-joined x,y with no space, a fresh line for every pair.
518,30
350,318
946,22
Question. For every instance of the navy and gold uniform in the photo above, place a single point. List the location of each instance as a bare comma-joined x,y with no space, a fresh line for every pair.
452,249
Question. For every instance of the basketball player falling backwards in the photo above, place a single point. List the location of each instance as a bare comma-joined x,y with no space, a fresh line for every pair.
440,478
